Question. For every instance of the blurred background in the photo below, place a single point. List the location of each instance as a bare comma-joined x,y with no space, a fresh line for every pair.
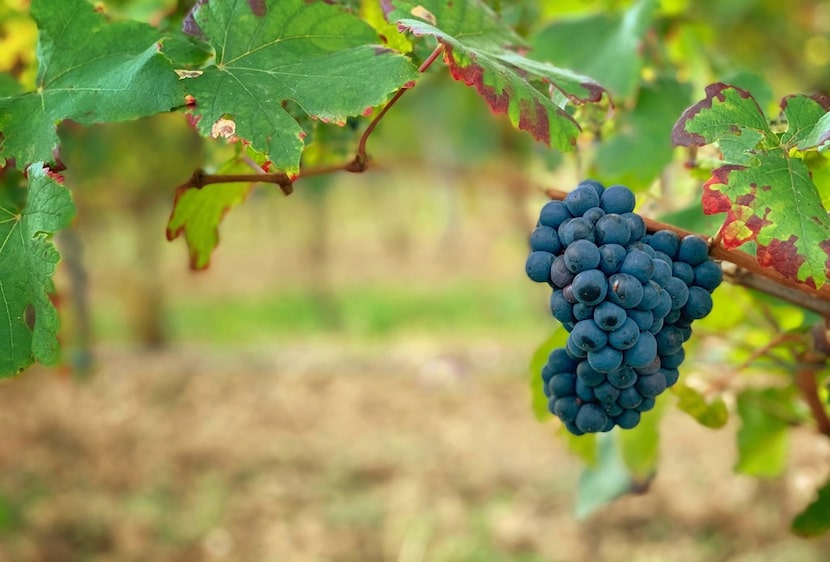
348,380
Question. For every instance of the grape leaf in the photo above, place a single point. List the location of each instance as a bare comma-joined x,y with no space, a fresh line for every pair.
197,212
815,519
763,438
271,51
481,52
765,189
712,414
604,483
606,47
91,71
819,136
28,319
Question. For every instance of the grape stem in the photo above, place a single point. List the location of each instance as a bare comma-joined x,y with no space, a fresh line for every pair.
359,164
747,271
811,363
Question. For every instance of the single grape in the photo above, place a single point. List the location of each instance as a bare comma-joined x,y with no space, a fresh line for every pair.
584,392
590,286
538,266
611,258
656,326
647,404
662,272
566,408
643,352
617,199
693,250
606,392
547,373
587,336
629,398
591,418
560,275
612,229
560,308
651,385
665,241
623,377
597,186
651,296
683,271
663,306
628,419
562,384
575,229
663,256
708,275
699,303
674,360
643,318
624,290
593,214
568,294
605,360
678,291
636,224
588,375
638,265
611,408
571,427
609,316
545,239
651,368
581,199
574,351
559,361
671,376
672,317
624,337
582,255
669,340
583,312
553,214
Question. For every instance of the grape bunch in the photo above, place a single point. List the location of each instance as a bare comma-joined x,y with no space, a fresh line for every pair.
628,299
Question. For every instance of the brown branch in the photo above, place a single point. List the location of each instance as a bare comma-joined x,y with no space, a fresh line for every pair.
749,272
811,363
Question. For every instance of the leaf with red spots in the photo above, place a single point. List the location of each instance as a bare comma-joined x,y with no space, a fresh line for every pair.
765,185
269,52
484,53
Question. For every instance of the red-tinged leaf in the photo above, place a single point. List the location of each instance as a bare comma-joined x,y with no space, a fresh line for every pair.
725,111
775,204
317,55
482,52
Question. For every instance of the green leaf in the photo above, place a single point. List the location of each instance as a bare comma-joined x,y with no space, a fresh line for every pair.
609,480
642,148
708,413
197,213
28,218
539,402
819,136
583,446
815,519
90,71
480,51
763,438
767,193
315,54
606,47
776,204
640,446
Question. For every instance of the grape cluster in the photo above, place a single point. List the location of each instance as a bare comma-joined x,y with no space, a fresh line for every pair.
628,299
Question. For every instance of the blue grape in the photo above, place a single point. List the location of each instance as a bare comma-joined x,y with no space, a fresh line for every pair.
651,296
673,316
553,214
636,224
612,409
630,398
560,308
593,214
545,239
651,368
663,306
571,427
683,271
662,256
583,312
669,340
573,350
651,385
678,291
624,290
560,275
582,255
581,199
639,265
575,229
699,303
587,336
673,360
646,405
547,373
606,392
611,258
605,360
643,352
591,418
628,419
708,275
609,316
671,376
643,318
665,241
538,266
693,250
566,408
612,229
656,326
617,199
662,272
624,337
623,377
588,375
584,392
594,184
568,294
562,384
559,361
590,286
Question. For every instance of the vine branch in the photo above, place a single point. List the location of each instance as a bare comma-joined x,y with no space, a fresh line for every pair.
747,271
811,363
